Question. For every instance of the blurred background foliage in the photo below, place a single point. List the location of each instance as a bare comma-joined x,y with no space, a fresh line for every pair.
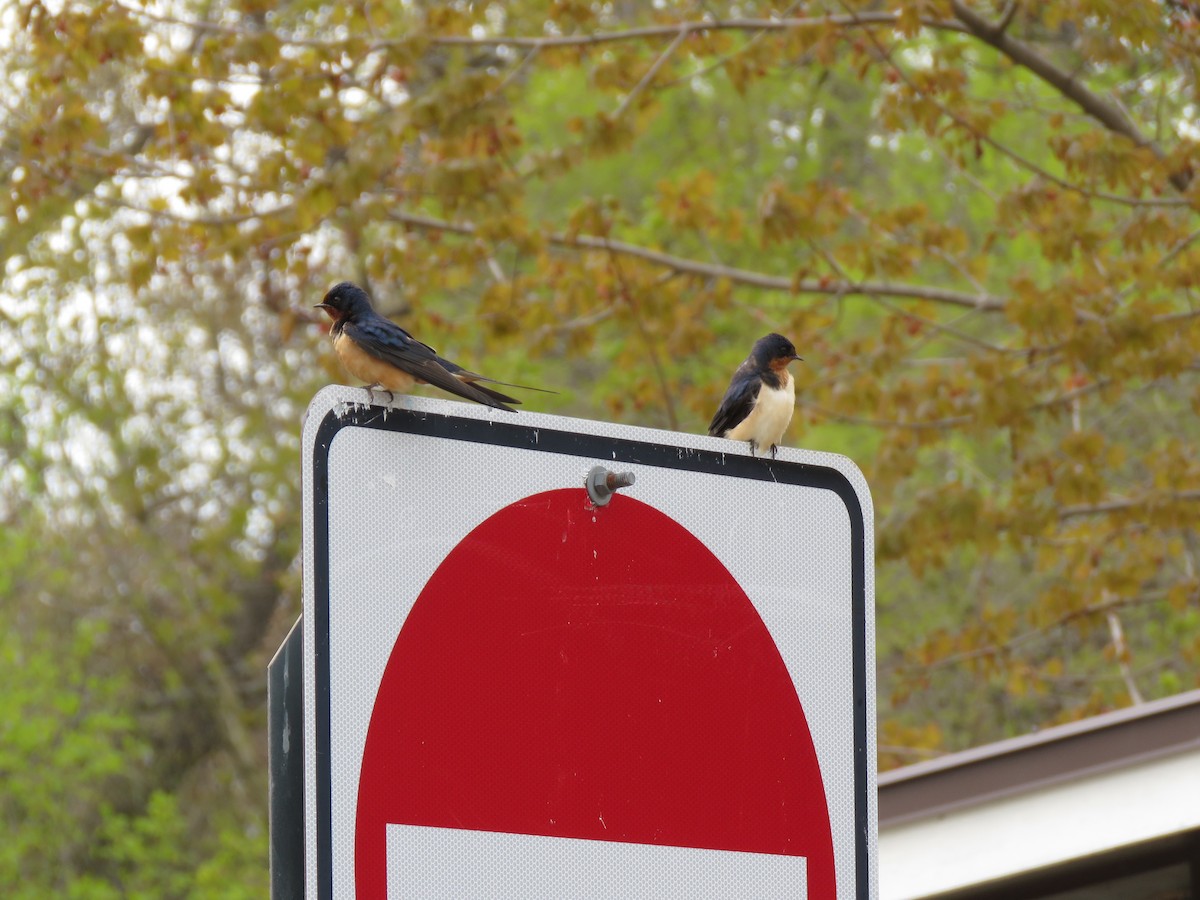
978,221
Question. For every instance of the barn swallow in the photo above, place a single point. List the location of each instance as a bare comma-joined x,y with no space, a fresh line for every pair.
386,356
758,405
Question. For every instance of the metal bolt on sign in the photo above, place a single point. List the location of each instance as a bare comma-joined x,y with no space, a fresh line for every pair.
601,483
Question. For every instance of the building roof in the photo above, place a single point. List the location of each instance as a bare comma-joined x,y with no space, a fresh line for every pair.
968,823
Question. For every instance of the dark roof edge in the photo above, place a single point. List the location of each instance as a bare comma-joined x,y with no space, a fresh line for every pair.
1114,739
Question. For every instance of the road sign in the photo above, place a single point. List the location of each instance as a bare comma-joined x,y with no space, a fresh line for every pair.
513,692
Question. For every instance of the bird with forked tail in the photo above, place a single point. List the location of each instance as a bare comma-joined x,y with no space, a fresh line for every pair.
758,404
381,353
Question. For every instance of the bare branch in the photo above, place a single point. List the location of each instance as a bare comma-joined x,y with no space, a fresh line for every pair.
1176,318
831,287
648,32
1025,163
1002,647
1106,112
721,60
1073,395
662,31
980,302
1030,166
512,76
584,321
1122,651
948,329
1178,248
1006,17
650,73
208,221
1111,506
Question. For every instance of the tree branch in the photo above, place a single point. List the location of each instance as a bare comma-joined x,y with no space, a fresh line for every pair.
1073,394
650,73
1106,112
563,40
980,302
662,31
1024,163
1006,17
1110,506
1001,647
206,221
1122,651
948,329
1178,248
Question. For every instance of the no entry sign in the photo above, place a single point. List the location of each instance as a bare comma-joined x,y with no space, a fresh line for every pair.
513,692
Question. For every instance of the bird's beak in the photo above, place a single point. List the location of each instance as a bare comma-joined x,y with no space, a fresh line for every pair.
801,358
328,309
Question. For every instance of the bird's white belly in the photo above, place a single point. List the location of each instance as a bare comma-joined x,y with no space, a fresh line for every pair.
769,418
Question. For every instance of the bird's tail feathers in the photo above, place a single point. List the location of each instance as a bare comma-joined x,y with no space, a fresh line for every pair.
495,395
524,387
474,378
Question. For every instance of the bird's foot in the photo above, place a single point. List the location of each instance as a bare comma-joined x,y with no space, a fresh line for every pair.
774,450
753,446
371,388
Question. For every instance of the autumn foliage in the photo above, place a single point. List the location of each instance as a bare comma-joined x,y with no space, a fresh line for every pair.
977,221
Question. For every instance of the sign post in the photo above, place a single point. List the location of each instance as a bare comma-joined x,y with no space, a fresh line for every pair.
512,691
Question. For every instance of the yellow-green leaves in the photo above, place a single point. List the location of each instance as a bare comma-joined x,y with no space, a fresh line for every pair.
985,250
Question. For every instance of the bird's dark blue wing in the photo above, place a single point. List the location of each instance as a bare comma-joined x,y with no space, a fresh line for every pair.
739,399
387,341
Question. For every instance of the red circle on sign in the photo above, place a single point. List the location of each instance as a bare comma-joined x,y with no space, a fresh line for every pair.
590,673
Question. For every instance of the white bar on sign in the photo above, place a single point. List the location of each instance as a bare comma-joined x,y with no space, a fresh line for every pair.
453,863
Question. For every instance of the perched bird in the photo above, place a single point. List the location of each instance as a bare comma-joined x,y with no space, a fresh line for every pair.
386,356
758,405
